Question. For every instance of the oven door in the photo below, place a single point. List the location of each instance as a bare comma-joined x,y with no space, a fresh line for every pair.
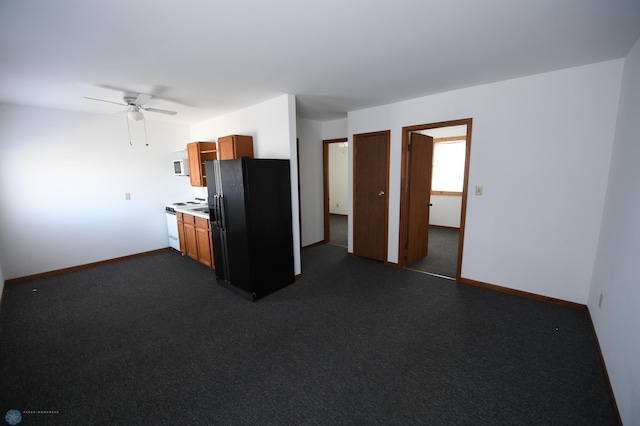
172,229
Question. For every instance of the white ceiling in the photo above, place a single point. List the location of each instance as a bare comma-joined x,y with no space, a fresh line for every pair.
206,58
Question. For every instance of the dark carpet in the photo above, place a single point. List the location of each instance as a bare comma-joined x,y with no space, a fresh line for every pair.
442,257
338,230
152,340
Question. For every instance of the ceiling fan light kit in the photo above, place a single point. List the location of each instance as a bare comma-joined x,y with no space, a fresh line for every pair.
134,114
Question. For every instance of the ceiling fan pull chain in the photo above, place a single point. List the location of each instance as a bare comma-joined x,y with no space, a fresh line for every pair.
144,121
128,130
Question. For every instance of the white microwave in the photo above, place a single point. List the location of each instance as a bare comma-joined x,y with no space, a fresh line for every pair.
181,167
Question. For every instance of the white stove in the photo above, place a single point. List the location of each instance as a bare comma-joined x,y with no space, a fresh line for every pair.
172,220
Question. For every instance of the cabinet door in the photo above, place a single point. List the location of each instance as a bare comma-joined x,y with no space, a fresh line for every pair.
195,172
225,148
204,246
191,241
203,235
198,152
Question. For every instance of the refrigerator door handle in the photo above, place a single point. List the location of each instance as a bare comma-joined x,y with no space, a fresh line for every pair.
213,213
217,209
222,220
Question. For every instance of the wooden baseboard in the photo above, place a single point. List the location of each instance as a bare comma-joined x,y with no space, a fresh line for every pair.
455,228
338,214
88,265
319,243
614,405
565,303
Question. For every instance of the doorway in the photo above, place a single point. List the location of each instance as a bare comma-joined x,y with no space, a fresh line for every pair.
335,183
444,235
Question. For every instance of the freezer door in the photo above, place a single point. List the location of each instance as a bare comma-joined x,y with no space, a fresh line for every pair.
216,217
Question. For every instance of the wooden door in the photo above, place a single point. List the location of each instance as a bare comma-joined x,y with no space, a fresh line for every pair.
419,194
370,194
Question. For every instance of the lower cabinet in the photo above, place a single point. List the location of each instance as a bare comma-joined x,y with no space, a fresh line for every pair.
195,238
203,241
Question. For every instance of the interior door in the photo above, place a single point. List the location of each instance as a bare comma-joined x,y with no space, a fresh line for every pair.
371,170
419,194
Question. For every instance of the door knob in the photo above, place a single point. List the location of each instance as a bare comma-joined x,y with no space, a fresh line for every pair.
381,193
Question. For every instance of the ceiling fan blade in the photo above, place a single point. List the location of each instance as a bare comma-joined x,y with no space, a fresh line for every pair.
142,99
102,100
161,111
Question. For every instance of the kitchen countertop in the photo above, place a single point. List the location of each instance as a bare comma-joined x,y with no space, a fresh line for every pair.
194,210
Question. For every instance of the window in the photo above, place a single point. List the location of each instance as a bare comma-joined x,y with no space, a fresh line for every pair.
448,167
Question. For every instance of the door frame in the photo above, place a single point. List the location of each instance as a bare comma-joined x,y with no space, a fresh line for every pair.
325,184
386,133
404,182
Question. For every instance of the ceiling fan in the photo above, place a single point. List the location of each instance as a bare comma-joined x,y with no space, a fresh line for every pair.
135,104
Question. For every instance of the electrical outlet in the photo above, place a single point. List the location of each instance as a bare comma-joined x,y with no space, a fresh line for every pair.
600,301
127,195
337,204
478,189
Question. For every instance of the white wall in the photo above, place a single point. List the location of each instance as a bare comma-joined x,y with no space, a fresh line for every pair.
334,129
445,210
268,122
273,126
338,179
311,181
63,176
617,270
541,147
311,133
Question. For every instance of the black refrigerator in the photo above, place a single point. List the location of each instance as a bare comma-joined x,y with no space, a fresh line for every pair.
251,225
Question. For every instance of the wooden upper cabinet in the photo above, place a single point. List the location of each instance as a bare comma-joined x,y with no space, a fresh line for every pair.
228,148
198,152
235,146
